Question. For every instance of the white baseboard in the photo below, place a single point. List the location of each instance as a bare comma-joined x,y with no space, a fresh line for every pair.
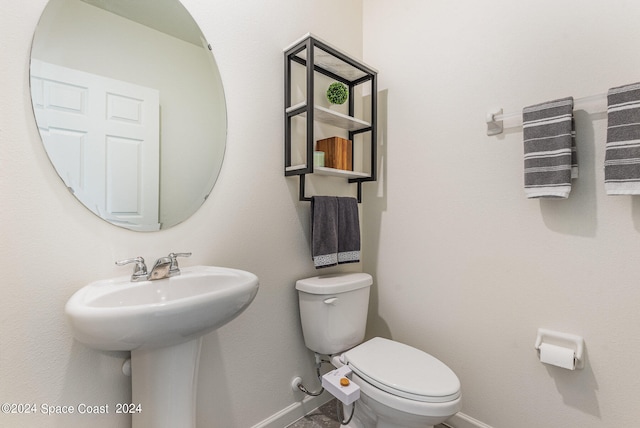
460,420
295,411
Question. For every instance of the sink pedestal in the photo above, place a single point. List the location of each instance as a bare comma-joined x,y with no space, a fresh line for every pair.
164,383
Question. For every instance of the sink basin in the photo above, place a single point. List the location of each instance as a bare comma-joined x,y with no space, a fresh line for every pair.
120,315
162,323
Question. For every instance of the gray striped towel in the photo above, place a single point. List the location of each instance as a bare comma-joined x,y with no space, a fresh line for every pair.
622,155
550,160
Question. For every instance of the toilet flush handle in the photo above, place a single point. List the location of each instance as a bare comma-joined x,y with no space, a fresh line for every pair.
330,300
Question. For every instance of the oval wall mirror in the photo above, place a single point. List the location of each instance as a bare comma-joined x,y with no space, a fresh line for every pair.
130,107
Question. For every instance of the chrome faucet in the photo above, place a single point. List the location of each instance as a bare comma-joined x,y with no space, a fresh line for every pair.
164,267
140,270
160,269
174,269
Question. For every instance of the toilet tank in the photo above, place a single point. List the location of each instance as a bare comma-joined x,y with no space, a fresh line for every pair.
333,310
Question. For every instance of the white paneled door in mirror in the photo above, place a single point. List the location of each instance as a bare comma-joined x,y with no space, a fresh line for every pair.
130,107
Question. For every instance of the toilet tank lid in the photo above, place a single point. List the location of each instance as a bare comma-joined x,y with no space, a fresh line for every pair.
334,283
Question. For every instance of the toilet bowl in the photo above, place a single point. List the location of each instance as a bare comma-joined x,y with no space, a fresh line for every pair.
400,386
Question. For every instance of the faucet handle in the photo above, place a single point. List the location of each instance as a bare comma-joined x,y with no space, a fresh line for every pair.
174,269
140,270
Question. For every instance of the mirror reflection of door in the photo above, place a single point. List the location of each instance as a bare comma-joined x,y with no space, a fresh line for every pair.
103,137
150,43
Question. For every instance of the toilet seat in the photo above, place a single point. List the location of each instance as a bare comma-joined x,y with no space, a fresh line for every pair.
403,371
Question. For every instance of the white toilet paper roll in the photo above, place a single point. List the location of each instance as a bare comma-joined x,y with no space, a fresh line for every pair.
557,356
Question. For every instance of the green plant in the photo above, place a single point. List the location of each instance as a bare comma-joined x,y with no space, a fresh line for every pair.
337,93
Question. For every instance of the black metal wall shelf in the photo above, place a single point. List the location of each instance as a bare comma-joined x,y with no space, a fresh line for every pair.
318,56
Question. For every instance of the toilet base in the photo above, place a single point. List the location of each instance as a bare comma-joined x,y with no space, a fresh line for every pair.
365,417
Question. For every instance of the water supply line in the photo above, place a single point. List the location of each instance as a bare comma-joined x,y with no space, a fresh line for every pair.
301,387
341,413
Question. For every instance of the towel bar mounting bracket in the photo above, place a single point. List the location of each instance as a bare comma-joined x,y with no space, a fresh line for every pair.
494,127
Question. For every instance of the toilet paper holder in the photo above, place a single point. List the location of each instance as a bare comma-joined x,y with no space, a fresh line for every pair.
566,340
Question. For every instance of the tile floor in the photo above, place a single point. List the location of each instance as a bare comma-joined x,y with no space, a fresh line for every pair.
324,417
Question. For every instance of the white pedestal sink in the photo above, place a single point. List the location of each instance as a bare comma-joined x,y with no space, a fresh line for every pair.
162,323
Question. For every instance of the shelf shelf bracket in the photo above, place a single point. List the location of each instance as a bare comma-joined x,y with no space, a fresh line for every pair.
303,198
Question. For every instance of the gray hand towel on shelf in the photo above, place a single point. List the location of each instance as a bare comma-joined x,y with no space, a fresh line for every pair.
550,158
622,154
335,231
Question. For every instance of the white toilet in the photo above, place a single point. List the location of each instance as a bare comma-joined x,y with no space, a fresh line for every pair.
400,386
